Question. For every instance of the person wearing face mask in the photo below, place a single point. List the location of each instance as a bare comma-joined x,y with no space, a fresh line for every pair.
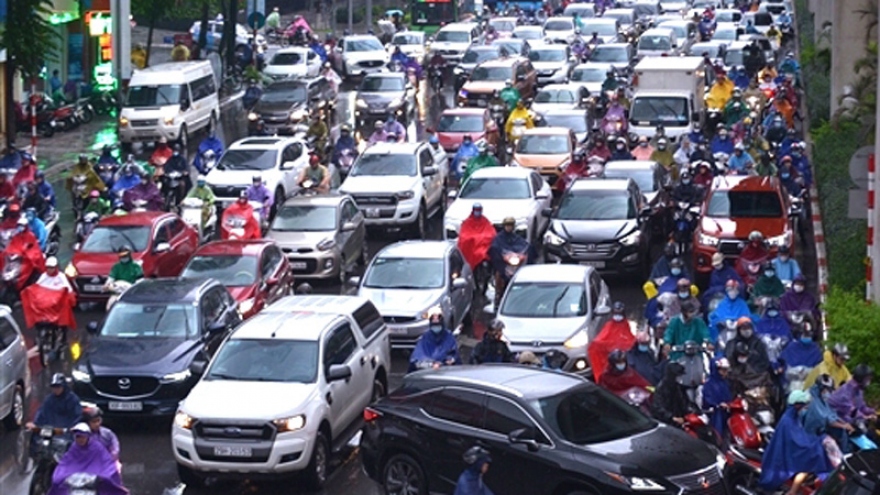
475,237
127,180
670,403
801,163
686,327
203,193
242,210
664,156
615,334
465,152
261,194
125,270
833,364
767,285
644,149
755,250
493,348
717,395
732,307
686,191
722,143
177,163
677,272
507,241
774,330
519,112
210,143
147,191
755,355
821,418
787,268
740,163
718,278
789,177
799,299
641,357
671,302
799,357
618,376
662,267
482,160
436,347
682,156
37,227
848,401
621,151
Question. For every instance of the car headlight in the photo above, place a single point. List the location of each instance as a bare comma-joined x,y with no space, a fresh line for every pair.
458,71
578,340
395,102
405,195
298,115
70,270
780,240
183,420
253,116
290,424
552,239
81,376
361,103
246,305
169,120
631,239
635,483
326,244
176,377
720,461
123,121
707,240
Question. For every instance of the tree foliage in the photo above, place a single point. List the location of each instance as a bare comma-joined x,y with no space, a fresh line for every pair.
28,37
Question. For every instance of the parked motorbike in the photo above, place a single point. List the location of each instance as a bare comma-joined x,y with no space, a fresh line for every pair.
191,213
84,110
46,124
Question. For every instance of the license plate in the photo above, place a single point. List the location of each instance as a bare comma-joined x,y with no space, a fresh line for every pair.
594,264
372,213
397,331
298,265
93,288
233,451
481,103
126,406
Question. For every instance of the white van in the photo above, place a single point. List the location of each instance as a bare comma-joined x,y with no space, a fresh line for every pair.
169,100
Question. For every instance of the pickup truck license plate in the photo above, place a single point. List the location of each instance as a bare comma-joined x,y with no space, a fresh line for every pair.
126,406
93,288
594,264
372,213
298,265
233,451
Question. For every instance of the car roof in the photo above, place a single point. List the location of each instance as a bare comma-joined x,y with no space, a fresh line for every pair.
621,10
420,34
593,184
320,304
294,49
331,199
393,149
464,111
165,290
745,183
386,75
234,247
517,380
144,218
547,131
458,26
631,165
286,325
659,31
416,249
503,172
543,45
263,142
502,62
736,45
562,86
553,272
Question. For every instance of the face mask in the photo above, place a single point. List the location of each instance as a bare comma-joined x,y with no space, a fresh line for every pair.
785,175
732,294
802,413
643,145
769,273
798,288
772,313
722,136
806,340
125,259
675,271
619,147
436,327
620,366
683,294
176,153
783,258
643,347
478,214
617,317
746,334
826,395
742,359
685,181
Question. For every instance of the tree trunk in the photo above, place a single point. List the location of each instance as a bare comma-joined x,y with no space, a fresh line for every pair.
10,102
151,27
203,29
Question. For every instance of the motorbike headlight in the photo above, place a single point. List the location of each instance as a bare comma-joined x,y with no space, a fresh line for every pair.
183,420
176,377
637,484
70,271
81,376
253,116
458,71
361,103
707,240
405,195
298,115
326,244
246,305
780,240
290,424
631,239
578,340
553,239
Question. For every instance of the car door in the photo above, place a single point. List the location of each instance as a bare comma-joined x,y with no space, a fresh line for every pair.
182,246
213,309
293,160
431,183
313,64
456,416
161,255
542,198
342,396
271,272
358,236
13,361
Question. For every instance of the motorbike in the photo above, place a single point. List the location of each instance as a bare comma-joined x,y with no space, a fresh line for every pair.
233,226
48,449
46,124
344,162
85,225
517,132
191,213
750,270
859,439
614,125
695,362
84,111
107,173
512,262
54,230
743,429
276,37
436,75
173,184
758,392
51,341
14,277
78,192
685,221
116,289
82,484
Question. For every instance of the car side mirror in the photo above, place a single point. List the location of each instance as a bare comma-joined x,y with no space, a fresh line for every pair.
542,195
452,194
429,171
92,328
184,105
603,310
162,247
547,212
76,246
353,281
288,165
348,226
197,368
338,372
523,436
272,281
216,327
459,283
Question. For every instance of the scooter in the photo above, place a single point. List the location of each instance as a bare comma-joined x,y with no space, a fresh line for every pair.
344,162
684,220
79,193
233,227
54,230
512,262
173,184
191,213
51,445
85,225
107,173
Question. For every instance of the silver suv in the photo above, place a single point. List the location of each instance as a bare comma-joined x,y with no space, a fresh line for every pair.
15,374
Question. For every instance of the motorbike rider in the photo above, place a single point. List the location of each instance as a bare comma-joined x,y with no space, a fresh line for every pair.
510,95
664,156
717,395
520,112
735,110
260,129
465,152
379,135
177,163
786,267
33,200
83,167
610,84
331,76
703,176
303,289
129,179
125,270
820,418
318,174
576,169
767,284
848,401
663,266
801,163
204,193
720,92
798,298
97,204
774,330
37,227
43,187
161,153
392,126
756,248
317,47
475,237
211,143
619,377
602,148
318,133
802,352
507,240
643,150
615,334
146,191
740,162
482,160
621,151
493,348
93,416
684,328
242,209
87,455
471,480
258,192
686,191
776,131
642,359
833,364
345,142
52,278
671,403
732,307
26,172
722,143
437,347
756,356
61,408
615,116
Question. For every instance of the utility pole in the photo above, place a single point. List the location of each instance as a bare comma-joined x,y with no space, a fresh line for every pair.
874,248
369,14
350,18
120,12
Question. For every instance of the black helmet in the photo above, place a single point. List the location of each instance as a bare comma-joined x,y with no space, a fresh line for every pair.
476,454
618,307
676,263
496,325
555,359
741,349
58,380
862,372
304,289
92,413
825,382
617,356
689,306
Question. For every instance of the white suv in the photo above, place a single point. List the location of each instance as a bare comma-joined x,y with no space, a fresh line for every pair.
398,185
360,54
453,40
277,160
286,389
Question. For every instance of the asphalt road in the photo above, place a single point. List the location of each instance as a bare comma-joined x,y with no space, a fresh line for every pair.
148,463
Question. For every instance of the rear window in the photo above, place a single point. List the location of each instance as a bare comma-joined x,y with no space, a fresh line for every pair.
369,319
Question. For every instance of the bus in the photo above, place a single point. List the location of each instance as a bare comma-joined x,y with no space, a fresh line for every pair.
430,15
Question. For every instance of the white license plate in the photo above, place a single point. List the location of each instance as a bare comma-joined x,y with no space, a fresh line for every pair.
93,288
481,103
372,213
126,406
594,264
298,265
233,451
397,331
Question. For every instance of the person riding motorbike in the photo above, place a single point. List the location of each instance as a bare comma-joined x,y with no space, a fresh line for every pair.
61,408
720,93
379,135
801,355
833,364
664,156
703,177
146,191
210,143
643,150
94,417
663,266
756,249
774,330
756,357
97,204
125,270
127,180
736,109
318,133
317,174
776,131
471,482
686,191
493,348
435,348
740,162
614,121
177,163
87,455
848,401
686,327
242,210
520,112
52,278
717,395
732,307
507,240
798,299
482,160
768,284
610,84
37,227
621,151
26,172
475,237
642,359
601,148
820,418
344,143
801,163
45,189
33,200
510,95
204,193
331,76
615,334
462,156
258,192
618,376
92,181
722,142
670,403
392,126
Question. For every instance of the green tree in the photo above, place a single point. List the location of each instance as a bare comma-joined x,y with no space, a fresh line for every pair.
152,11
29,41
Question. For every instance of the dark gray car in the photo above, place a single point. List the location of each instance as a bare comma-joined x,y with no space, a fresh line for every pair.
287,103
381,95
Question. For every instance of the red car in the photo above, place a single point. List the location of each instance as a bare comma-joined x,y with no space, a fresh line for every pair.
456,123
256,273
161,242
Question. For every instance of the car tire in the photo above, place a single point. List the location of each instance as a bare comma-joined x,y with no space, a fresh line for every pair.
277,202
379,390
15,419
189,477
316,471
183,138
401,474
420,226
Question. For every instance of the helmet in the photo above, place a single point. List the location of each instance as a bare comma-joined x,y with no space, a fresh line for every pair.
741,349
723,363
476,454
58,380
477,206
786,158
840,349
685,175
744,322
435,312
257,178
345,128
798,397
683,283
51,262
618,307
83,157
92,413
756,235
509,221
314,159
739,147
617,356
731,284
39,174
862,372
496,325
676,263
303,289
825,382
22,221
717,259
434,139
81,429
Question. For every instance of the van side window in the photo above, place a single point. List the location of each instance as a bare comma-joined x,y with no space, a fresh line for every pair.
202,87
369,319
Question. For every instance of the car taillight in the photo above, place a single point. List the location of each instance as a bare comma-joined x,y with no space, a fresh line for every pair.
371,415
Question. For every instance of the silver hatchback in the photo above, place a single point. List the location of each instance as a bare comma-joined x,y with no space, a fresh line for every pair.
322,236
15,374
407,278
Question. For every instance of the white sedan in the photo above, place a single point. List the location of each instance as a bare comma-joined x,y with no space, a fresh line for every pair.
503,192
293,62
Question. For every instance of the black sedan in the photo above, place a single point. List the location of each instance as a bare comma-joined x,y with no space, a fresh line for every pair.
547,433
138,362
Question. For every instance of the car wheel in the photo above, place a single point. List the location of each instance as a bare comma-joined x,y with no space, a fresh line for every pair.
420,226
403,476
183,139
379,390
277,202
444,199
189,477
16,413
316,472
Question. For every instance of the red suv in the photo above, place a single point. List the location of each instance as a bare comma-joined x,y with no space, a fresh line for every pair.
736,206
256,273
161,242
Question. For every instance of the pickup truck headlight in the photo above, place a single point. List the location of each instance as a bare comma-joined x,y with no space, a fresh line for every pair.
183,420
290,424
169,120
707,240
405,195
326,244
361,103
70,271
176,377
123,121
81,376
552,239
780,240
578,340
631,239
395,103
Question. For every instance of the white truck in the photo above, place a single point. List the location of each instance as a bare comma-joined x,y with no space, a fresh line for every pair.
668,91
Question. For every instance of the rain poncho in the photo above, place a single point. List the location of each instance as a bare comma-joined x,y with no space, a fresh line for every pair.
378,136
510,96
670,400
47,192
345,142
508,241
805,301
92,179
621,154
213,143
721,145
775,332
644,362
614,335
719,94
517,114
727,309
792,450
616,381
245,212
125,182
261,194
758,359
768,286
819,414
786,270
475,238
127,271
665,158
59,411
396,128
482,160
839,374
145,191
319,50
642,152
735,111
434,347
678,332
798,353
38,228
740,164
491,350
92,458
718,279
465,152
716,391
471,480
849,402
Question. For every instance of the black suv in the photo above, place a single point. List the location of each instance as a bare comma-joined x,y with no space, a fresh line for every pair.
547,433
288,103
138,361
603,223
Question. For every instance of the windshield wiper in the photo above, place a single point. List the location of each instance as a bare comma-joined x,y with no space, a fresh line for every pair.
559,300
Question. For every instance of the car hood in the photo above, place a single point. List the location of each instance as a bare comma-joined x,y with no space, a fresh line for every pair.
545,108
542,66
449,45
482,86
401,302
297,239
550,331
236,399
359,56
217,177
451,141
493,209
593,230
283,70
97,263
741,227
541,161
378,183
283,107
138,356
660,452
384,97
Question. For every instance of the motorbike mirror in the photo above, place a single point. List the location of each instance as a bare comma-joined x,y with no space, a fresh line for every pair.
354,281
162,247
92,327
695,117
523,436
547,212
349,226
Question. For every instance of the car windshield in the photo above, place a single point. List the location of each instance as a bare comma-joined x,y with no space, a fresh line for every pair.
454,36
231,271
384,164
609,54
363,45
659,110
482,73
153,96
725,35
275,360
288,58
110,239
406,39
135,320
510,46
284,93
643,177
712,50
602,28
596,204
588,414
654,43
305,218
555,96
495,188
503,25
528,34
477,56
248,160
539,144
589,75
558,25
405,273
379,84
577,123
547,55
545,300
727,16
733,57
461,123
744,204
